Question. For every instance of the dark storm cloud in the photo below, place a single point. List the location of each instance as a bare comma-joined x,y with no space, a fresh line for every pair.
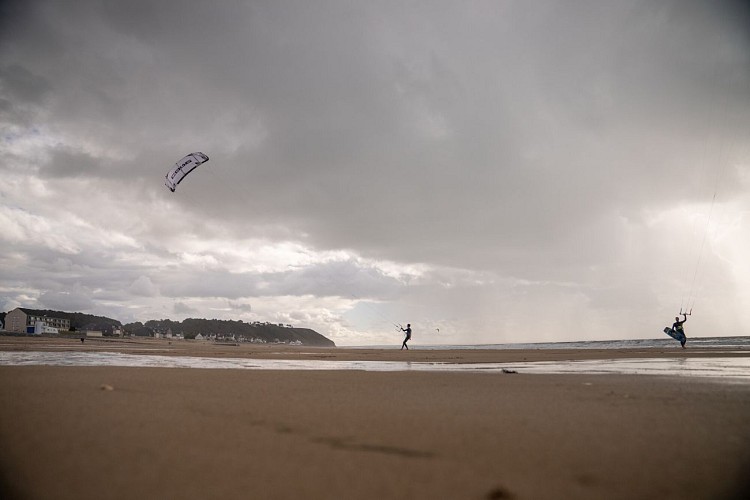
569,108
21,86
514,88
21,94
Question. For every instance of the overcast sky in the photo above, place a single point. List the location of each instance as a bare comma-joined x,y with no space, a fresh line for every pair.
488,171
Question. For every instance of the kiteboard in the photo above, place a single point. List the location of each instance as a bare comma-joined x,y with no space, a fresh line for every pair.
679,336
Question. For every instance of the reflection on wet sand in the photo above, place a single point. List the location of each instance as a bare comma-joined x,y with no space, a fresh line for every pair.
722,367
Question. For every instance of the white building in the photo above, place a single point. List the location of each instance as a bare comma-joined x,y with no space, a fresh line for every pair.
41,327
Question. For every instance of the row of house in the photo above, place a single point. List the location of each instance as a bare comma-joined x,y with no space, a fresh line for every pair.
158,334
240,338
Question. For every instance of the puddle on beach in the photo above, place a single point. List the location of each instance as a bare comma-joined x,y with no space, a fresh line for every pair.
737,368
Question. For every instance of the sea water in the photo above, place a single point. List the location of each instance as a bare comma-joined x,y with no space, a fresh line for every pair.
665,343
730,361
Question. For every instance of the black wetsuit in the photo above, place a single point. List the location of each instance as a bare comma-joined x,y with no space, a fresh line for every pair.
677,327
408,337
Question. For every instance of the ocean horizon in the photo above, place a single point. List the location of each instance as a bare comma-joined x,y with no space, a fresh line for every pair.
737,342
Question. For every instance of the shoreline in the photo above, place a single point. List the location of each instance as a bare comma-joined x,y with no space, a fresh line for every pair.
166,347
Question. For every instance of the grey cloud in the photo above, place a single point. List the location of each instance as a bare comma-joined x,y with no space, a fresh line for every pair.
144,287
346,279
65,162
22,86
77,299
505,138
240,306
182,308
220,283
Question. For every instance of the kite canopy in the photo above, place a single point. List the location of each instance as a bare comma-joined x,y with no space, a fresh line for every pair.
182,168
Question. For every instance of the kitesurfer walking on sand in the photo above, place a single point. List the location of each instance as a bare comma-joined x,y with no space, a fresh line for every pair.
678,328
408,336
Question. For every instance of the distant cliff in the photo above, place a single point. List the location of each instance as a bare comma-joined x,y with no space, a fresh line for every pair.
227,329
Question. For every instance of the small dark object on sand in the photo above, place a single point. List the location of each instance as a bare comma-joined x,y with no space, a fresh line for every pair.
505,370
499,493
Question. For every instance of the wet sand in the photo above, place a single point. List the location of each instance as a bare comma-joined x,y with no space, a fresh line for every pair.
111,432
164,347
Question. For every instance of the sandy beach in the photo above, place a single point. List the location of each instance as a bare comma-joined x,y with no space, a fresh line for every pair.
112,432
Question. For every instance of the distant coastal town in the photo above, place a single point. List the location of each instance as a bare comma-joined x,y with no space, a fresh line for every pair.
26,321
